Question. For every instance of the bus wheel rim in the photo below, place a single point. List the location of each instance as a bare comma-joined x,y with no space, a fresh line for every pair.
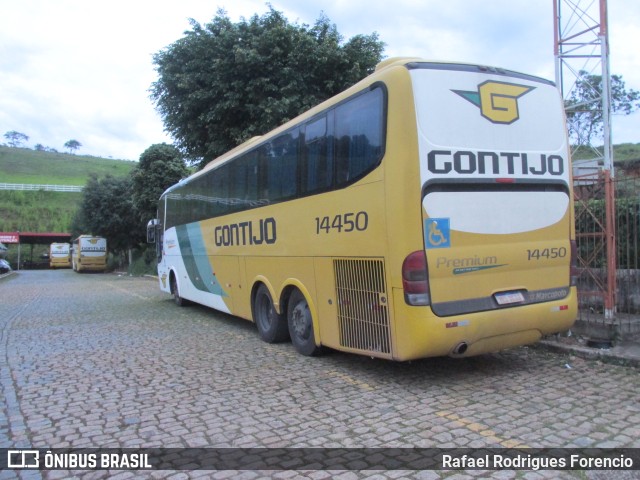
266,312
301,320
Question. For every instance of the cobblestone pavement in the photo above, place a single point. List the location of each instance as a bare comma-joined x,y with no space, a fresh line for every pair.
92,360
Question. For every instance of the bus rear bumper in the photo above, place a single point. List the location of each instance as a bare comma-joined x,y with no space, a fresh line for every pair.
90,267
423,334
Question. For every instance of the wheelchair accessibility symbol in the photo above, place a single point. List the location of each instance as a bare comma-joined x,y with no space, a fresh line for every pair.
437,233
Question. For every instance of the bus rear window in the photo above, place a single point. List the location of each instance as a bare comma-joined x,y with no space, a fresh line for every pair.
497,209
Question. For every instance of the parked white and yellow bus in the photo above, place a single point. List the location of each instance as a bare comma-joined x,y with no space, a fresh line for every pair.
59,255
425,211
89,253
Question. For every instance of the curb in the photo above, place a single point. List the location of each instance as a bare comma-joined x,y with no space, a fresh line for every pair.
8,274
602,354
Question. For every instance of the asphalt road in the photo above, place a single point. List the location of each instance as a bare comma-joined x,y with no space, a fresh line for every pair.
101,360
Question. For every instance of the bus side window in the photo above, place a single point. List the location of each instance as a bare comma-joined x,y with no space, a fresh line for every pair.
251,178
220,191
359,135
173,209
319,165
281,162
244,181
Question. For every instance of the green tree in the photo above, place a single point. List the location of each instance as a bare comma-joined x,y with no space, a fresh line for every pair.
225,82
584,106
72,145
160,166
107,210
15,139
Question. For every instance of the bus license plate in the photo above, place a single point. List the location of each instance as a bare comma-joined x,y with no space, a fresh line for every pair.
507,298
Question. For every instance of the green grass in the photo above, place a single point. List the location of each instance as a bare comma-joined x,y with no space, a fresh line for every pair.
37,211
621,153
44,211
21,165
40,211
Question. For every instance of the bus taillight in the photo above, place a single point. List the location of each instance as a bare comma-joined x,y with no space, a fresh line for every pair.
415,279
573,280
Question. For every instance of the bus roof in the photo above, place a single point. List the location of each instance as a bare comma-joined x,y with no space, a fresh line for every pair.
383,66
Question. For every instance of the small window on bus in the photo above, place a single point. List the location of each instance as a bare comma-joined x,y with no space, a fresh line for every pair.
359,125
244,181
281,164
319,165
219,191
175,208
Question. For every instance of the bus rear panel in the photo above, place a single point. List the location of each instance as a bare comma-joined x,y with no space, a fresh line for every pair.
494,269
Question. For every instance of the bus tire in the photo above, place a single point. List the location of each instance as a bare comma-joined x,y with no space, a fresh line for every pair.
300,324
177,299
272,326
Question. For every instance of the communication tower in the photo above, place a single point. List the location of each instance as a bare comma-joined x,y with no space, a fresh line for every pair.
581,43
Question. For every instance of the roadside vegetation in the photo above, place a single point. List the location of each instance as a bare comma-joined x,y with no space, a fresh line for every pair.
37,211
47,211
118,200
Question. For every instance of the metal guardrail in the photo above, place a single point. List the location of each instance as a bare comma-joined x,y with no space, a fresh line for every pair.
48,188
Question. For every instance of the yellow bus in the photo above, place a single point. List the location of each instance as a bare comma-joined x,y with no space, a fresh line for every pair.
89,253
425,211
59,255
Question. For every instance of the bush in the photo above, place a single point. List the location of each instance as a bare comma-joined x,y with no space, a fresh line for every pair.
144,262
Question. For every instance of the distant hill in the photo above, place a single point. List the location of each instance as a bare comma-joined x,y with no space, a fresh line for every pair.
622,153
21,165
40,211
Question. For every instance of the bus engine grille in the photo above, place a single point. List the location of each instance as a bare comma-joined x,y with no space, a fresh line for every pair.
362,303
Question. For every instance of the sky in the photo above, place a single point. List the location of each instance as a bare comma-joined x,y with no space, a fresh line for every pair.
82,69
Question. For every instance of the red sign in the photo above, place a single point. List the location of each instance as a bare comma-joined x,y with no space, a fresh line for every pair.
9,237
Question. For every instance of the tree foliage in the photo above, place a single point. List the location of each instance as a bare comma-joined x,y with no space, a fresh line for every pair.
72,145
584,106
16,139
118,208
225,82
107,210
160,166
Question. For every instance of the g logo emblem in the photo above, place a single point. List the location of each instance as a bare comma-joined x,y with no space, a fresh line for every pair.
498,101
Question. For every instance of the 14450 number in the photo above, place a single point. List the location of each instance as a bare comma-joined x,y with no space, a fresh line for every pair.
548,253
343,223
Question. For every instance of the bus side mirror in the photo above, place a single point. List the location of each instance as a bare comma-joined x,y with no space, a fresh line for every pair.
151,230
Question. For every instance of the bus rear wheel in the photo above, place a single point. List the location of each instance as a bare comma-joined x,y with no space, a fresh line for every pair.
301,325
272,326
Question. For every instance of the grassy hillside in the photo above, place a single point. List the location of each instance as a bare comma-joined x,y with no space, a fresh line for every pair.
621,153
39,211
21,165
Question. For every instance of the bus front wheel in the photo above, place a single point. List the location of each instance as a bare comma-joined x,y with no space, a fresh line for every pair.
178,300
272,326
301,325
